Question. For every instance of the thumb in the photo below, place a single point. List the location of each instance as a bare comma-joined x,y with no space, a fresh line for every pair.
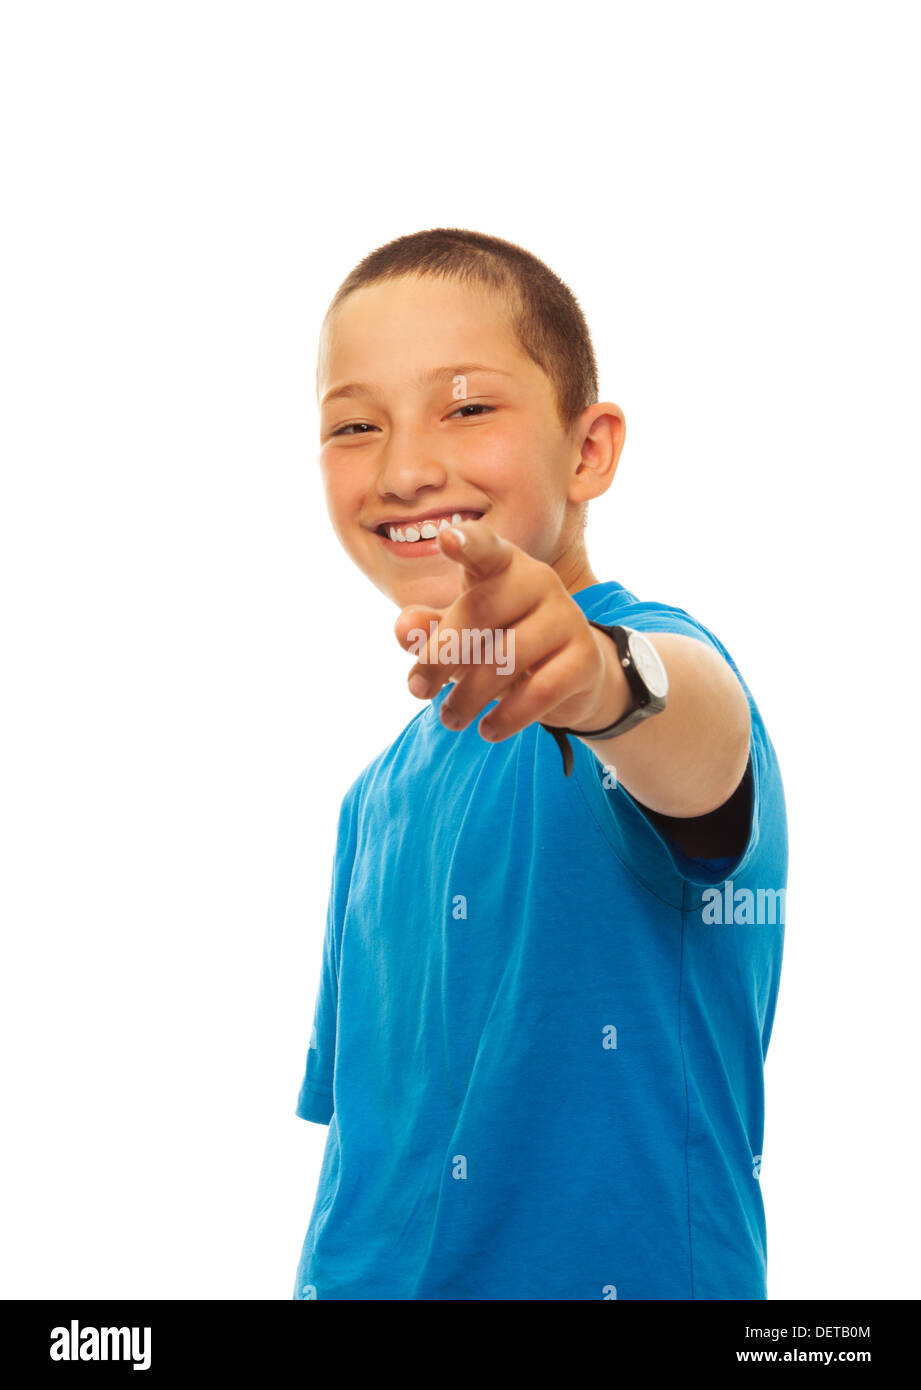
413,628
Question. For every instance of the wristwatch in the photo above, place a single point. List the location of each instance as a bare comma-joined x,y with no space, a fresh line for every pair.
647,678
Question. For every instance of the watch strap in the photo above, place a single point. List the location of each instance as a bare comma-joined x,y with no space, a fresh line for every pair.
619,635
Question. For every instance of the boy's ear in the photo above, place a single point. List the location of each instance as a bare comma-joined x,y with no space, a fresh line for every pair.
600,433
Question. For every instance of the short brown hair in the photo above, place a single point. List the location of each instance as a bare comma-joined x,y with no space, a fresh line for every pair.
545,314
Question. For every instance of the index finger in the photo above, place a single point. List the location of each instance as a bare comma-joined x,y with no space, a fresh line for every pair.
480,549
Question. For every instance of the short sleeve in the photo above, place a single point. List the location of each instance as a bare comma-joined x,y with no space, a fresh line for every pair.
651,855
316,1097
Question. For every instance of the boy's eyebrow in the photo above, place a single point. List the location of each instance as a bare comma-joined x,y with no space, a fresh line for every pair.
358,388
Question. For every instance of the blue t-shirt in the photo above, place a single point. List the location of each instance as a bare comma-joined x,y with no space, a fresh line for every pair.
540,1028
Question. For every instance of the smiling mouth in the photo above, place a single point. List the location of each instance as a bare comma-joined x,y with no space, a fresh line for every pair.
410,533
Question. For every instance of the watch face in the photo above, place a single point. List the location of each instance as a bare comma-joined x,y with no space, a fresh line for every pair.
649,664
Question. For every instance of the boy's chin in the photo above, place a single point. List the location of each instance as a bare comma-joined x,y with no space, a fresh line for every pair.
430,591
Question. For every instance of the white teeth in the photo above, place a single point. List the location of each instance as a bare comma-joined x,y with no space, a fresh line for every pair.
426,532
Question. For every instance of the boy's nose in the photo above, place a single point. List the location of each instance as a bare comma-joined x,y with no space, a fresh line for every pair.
409,462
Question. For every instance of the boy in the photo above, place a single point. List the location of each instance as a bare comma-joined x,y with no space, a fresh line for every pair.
546,994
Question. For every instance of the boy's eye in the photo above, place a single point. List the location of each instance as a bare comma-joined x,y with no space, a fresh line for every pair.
472,406
361,425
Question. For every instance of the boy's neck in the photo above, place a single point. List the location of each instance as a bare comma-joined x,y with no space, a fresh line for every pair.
574,570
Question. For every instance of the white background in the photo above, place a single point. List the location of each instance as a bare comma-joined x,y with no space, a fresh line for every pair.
194,672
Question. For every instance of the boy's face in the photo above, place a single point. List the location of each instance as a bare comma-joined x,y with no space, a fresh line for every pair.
405,444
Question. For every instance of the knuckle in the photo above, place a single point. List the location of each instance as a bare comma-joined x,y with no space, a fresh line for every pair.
566,668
